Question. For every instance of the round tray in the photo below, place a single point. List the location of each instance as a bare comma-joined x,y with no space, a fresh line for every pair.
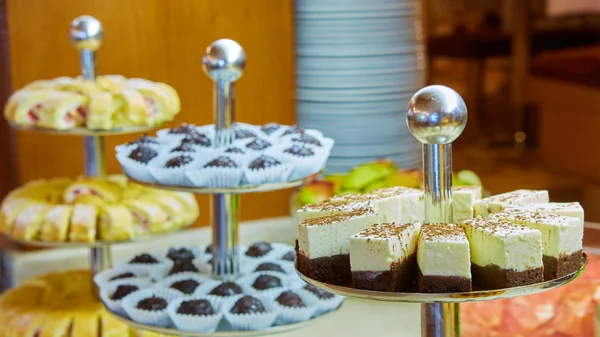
97,243
233,190
227,333
82,131
473,296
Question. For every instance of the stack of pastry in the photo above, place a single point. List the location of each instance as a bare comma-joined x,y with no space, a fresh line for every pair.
113,101
59,304
88,209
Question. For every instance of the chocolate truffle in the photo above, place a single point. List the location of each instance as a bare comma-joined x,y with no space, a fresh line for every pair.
196,307
263,162
322,294
182,253
226,289
178,161
122,291
258,144
208,249
181,266
242,133
152,304
248,305
185,286
185,146
145,139
221,161
307,139
122,276
270,128
197,139
299,151
183,129
289,256
292,130
144,258
259,249
290,299
235,150
264,282
143,154
269,266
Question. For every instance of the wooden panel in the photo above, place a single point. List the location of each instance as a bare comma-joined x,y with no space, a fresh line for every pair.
162,41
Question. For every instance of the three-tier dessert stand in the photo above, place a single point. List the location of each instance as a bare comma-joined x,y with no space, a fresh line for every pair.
436,117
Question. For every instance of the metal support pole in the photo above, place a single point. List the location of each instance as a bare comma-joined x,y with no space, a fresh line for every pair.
86,35
436,116
224,63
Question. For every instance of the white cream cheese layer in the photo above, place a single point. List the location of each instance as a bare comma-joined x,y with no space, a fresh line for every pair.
443,250
560,234
377,247
399,204
330,235
504,244
329,208
463,201
572,209
497,203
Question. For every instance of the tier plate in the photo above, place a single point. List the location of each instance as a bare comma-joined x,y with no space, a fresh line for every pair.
81,131
223,333
233,190
473,296
98,243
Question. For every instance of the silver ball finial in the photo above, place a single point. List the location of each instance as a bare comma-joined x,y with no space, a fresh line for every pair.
86,33
436,115
224,60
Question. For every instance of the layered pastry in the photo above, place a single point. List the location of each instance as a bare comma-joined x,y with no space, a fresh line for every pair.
571,209
59,304
498,202
503,254
561,239
383,257
323,245
88,209
110,102
444,259
463,201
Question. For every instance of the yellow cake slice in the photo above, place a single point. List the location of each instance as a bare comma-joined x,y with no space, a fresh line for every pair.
133,107
83,223
26,323
87,322
111,83
10,209
116,223
63,110
156,100
172,205
100,188
118,179
57,322
100,111
148,217
190,204
26,107
55,227
28,223
174,101
111,327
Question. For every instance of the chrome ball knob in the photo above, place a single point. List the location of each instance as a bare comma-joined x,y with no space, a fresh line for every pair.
436,115
86,33
224,60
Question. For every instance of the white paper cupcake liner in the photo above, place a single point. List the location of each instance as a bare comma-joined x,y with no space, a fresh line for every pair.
325,305
274,174
170,280
290,315
194,323
104,277
134,169
256,321
157,270
170,176
155,318
214,177
107,291
247,281
304,166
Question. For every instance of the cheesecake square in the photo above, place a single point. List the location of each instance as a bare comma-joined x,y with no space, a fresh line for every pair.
497,203
463,201
383,257
562,240
571,209
443,259
503,254
323,247
328,208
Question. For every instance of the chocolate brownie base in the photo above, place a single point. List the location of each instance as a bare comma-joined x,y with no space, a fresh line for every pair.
332,269
494,277
442,284
399,277
564,265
